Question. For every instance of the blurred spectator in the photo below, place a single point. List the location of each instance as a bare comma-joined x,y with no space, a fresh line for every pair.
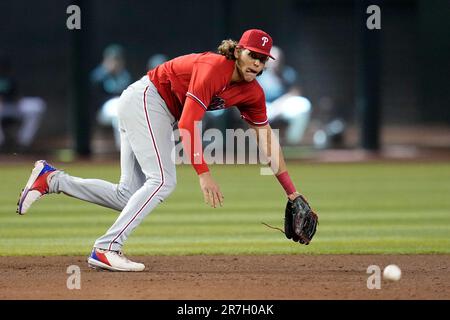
155,60
284,99
16,109
109,79
330,125
115,83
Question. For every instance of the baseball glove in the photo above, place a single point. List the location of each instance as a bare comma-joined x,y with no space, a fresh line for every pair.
300,221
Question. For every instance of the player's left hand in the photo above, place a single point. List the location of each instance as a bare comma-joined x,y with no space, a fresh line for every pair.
211,191
294,195
300,221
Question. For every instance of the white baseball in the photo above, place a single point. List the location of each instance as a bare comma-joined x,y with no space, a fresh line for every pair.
392,272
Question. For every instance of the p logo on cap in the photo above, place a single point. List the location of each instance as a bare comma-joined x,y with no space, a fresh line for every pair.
264,40
257,40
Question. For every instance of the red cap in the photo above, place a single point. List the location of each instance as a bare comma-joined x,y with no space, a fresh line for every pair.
257,40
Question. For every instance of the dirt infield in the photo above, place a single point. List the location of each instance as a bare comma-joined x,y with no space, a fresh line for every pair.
321,277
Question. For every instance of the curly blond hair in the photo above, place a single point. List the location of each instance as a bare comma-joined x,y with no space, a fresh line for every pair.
227,48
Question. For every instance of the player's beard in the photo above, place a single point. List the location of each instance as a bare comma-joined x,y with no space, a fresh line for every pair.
241,72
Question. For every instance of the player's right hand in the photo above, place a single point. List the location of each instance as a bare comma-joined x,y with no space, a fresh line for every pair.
211,191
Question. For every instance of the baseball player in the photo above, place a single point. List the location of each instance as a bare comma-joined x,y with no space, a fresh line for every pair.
182,90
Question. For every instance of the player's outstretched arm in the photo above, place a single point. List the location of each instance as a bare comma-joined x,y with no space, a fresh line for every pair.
300,221
271,149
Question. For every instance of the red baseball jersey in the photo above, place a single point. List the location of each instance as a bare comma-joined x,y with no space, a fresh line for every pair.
205,78
195,83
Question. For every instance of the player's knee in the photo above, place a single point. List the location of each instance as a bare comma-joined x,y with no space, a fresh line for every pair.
123,195
164,188
168,187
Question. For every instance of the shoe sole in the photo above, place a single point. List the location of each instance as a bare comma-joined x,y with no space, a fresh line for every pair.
38,166
95,264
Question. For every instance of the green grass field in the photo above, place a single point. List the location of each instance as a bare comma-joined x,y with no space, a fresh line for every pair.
363,208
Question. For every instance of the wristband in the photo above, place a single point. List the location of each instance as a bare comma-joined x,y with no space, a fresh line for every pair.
201,168
286,182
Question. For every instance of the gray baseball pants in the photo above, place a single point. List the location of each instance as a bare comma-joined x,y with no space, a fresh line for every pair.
148,173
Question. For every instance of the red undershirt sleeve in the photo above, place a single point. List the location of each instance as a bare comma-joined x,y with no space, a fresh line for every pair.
190,134
206,80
